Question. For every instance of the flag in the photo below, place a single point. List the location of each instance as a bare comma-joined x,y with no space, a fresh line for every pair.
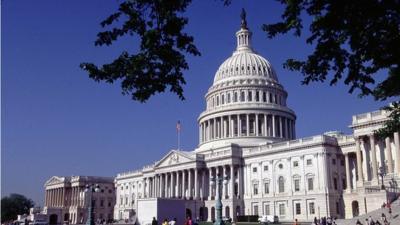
178,126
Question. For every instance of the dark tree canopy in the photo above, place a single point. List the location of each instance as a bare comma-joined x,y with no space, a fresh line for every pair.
14,205
354,40
160,61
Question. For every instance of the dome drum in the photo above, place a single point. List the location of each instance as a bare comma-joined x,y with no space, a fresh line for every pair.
246,103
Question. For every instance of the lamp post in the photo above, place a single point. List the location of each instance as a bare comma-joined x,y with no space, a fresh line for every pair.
381,174
218,204
90,189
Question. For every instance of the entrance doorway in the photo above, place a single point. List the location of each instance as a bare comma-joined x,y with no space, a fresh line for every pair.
53,219
355,208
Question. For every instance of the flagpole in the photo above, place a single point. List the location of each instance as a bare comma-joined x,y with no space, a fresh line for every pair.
179,139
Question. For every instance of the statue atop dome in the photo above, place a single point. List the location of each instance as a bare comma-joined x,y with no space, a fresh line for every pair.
243,17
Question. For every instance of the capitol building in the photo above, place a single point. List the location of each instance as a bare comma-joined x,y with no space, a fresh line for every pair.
247,138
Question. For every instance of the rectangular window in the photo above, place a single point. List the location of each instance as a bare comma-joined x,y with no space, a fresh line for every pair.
335,183
264,97
228,98
298,208
311,208
297,185
344,185
255,189
242,96
334,161
309,162
254,169
265,168
101,203
266,188
282,209
337,208
295,163
342,162
255,210
249,96
266,210
257,96
310,183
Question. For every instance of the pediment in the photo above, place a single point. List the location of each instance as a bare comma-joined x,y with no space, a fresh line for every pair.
54,180
175,157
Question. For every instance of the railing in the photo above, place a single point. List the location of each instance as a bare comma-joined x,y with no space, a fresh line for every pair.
370,116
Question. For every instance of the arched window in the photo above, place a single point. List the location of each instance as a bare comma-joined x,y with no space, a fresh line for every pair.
257,96
281,184
217,100
228,98
249,96
264,97
222,99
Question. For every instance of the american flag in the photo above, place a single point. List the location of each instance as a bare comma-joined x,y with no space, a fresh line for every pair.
178,126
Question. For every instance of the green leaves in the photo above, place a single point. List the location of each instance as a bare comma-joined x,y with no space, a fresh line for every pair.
160,61
14,205
354,37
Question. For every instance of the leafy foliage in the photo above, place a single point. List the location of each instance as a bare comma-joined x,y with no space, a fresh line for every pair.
353,40
14,205
160,61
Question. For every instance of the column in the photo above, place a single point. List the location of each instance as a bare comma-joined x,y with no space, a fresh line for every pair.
374,162
196,184
172,185
281,126
210,186
232,182
389,155
190,183
347,168
224,194
256,128
214,135
183,184
360,180
143,187
397,150
203,186
200,133
273,126
176,184
247,125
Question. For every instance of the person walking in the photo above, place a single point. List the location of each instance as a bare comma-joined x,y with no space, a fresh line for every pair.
295,222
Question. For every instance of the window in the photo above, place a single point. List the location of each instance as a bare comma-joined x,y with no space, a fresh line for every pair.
249,96
255,210
295,163
270,98
265,168
101,203
242,96
255,189
297,184
121,201
344,185
228,98
335,183
222,99
298,208
264,97
281,185
257,96
342,162
280,166
126,200
254,169
337,208
266,188
282,209
217,100
276,99
235,97
311,208
310,182
309,162
266,210
334,161
109,203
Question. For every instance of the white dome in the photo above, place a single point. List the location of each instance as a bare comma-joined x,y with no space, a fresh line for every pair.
243,65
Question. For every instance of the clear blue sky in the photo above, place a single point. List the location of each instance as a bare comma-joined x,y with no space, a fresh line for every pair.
57,121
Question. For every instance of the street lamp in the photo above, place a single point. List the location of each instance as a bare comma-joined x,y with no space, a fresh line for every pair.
381,174
90,189
218,204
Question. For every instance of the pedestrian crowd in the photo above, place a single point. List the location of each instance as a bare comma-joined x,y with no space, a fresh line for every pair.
188,221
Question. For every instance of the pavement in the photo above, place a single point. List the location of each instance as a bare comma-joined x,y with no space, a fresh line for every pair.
376,215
